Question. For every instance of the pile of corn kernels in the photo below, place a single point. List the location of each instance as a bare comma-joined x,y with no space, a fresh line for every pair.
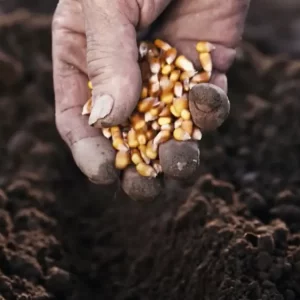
162,112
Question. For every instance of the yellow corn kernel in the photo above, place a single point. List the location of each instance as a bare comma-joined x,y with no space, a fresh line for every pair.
162,45
185,115
168,127
151,150
180,104
87,108
153,79
122,160
142,139
187,126
162,137
197,134
155,111
180,135
167,97
167,69
149,117
90,86
201,77
175,75
204,47
146,170
154,64
178,123
115,131
187,75
132,139
146,104
119,144
154,89
136,157
166,84
205,61
174,112
144,156
184,64
137,122
144,92
164,120
178,89
106,132
170,55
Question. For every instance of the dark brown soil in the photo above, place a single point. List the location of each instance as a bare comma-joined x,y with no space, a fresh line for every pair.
234,235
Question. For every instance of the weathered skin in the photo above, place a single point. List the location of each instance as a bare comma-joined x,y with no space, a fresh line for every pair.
97,38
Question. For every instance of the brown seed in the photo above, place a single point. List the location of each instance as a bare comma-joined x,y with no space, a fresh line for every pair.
106,132
184,64
146,170
170,55
165,112
122,160
151,150
162,45
136,157
167,97
87,108
180,135
206,62
187,126
204,47
175,75
164,120
162,137
146,104
180,104
150,134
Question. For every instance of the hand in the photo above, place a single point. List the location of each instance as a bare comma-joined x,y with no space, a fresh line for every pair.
96,39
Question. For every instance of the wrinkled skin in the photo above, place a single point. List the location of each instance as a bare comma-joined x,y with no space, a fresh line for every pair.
96,39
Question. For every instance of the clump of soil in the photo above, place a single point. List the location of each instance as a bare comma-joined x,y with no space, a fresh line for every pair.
233,235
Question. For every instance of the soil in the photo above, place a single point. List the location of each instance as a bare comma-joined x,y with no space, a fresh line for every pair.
235,234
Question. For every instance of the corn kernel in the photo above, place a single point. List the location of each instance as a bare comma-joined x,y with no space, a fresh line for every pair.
122,160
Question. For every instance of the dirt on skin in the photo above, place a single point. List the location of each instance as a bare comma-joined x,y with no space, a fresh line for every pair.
234,235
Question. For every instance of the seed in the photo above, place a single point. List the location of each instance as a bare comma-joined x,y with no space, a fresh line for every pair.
170,55
184,64
138,122
146,104
180,135
167,69
174,112
162,45
204,47
166,84
205,61
136,157
178,89
132,139
155,126
122,160
119,144
155,111
164,120
162,137
144,156
167,97
106,132
154,89
144,92
187,126
175,75
154,78
152,50
149,117
185,115
187,75
143,49
178,123
180,104
142,139
87,108
154,65
168,127
151,150
157,167
90,86
186,85
201,77
115,131
146,170
197,134
150,134
165,112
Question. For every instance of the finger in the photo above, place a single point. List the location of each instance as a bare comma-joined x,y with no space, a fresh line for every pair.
209,106
179,160
112,56
92,153
140,188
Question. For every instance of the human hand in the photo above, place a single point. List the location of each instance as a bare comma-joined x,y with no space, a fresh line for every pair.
97,40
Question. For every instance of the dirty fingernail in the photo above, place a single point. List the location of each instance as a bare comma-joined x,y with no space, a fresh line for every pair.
209,106
102,107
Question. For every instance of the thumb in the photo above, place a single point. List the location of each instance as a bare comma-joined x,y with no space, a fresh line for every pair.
112,60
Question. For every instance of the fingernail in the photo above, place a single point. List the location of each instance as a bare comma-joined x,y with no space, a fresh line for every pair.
101,108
